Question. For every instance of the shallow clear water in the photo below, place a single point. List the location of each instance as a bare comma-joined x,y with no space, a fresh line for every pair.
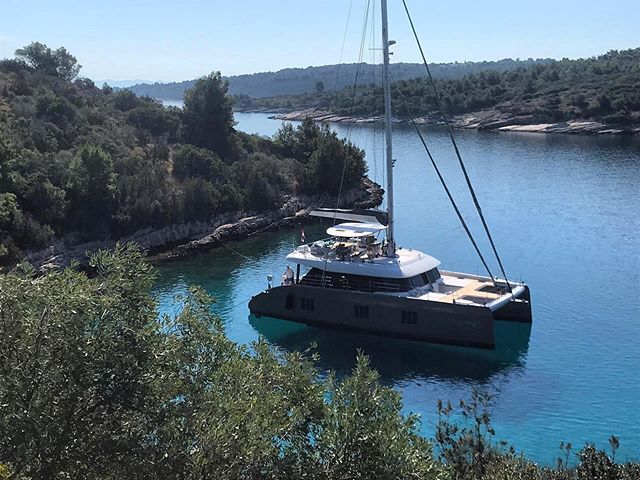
564,214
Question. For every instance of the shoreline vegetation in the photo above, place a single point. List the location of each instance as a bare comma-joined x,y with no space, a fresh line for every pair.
186,239
596,95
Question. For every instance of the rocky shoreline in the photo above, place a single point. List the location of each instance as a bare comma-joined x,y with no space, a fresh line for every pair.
181,240
489,120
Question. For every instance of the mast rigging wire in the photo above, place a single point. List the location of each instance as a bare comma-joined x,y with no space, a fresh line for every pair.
455,145
353,100
344,39
448,192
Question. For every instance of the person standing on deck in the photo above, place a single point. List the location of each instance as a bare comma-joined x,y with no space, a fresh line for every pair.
287,277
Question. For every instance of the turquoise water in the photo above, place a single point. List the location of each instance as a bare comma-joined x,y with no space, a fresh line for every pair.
564,214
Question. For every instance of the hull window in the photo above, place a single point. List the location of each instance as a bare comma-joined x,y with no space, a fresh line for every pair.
409,318
290,302
307,304
361,311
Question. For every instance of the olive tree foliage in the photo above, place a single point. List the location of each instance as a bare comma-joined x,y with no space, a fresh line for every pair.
363,435
92,188
93,384
58,63
75,359
328,164
465,442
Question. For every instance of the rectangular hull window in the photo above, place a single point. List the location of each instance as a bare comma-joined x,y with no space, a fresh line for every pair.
307,304
361,311
409,318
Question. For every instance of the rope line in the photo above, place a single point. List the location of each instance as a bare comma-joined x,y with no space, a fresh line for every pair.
353,99
454,143
234,251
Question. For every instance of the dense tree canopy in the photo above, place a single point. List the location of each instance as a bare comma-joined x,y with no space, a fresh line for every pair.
208,114
96,163
328,162
57,62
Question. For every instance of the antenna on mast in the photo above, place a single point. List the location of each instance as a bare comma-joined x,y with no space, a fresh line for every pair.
386,86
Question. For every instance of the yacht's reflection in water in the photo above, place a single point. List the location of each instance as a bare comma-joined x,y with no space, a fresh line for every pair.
401,360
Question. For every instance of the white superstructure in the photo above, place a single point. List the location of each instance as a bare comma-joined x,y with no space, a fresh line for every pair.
406,264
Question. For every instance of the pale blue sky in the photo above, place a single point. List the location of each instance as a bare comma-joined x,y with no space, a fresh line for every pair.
178,40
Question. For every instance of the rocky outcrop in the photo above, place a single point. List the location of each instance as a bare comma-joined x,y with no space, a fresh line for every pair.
292,213
187,238
484,120
502,122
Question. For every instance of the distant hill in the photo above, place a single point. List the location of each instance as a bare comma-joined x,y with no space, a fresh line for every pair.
294,81
602,89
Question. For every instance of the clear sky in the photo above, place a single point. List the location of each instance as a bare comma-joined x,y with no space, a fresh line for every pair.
183,39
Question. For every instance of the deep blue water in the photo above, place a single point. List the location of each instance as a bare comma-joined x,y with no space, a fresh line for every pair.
564,214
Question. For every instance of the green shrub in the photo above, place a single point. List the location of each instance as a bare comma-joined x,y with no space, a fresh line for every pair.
94,385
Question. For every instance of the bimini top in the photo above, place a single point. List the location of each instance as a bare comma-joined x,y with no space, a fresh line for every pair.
352,215
355,229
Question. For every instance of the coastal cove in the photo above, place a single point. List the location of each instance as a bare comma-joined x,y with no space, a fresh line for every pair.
398,242
561,207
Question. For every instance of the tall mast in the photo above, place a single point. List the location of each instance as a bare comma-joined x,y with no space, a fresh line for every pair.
391,245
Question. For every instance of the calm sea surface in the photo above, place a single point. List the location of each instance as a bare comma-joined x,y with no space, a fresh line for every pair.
564,212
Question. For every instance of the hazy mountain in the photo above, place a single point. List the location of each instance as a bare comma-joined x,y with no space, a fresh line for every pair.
292,81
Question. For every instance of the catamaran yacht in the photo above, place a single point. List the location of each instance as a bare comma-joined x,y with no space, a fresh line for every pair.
358,279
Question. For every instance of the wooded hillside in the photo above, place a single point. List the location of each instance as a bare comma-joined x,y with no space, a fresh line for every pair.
98,164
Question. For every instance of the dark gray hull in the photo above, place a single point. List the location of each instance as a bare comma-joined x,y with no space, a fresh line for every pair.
427,321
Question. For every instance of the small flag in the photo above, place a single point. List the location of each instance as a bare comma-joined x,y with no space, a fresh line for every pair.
302,239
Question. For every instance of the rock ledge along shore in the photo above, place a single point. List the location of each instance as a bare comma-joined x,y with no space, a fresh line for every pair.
492,120
180,240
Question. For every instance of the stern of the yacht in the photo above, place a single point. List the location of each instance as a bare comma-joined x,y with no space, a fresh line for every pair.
516,309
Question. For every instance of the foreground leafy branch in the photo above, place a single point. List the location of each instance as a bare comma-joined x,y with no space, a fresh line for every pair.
465,441
93,386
